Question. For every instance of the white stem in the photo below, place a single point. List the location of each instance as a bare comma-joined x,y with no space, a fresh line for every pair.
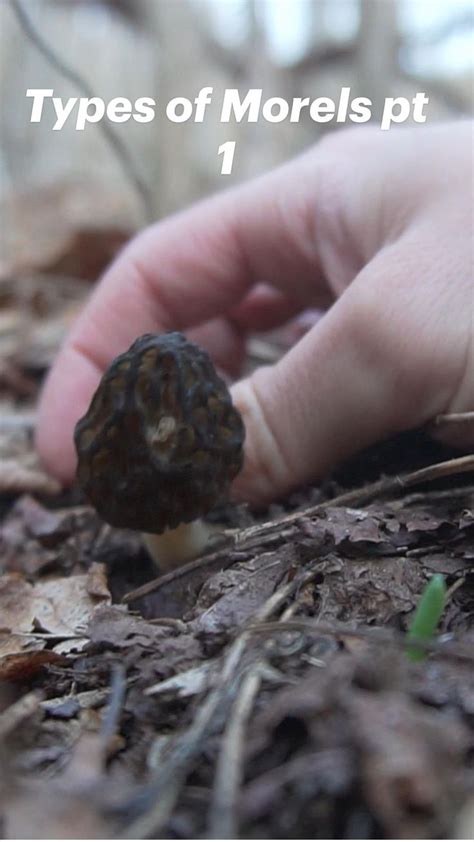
176,546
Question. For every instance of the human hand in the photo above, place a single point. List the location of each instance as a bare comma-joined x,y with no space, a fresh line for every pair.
377,225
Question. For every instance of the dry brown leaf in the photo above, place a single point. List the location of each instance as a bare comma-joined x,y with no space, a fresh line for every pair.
21,655
60,606
64,606
20,666
16,603
13,644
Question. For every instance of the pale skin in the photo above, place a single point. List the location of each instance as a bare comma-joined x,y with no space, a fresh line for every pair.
377,229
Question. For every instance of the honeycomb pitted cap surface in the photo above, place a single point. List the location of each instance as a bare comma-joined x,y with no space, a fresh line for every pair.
161,441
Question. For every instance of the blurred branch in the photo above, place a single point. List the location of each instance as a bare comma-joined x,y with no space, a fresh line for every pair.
377,49
231,61
323,54
119,148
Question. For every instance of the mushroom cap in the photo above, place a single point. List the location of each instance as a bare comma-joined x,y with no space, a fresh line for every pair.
161,440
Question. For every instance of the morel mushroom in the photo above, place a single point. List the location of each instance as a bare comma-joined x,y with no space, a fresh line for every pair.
160,444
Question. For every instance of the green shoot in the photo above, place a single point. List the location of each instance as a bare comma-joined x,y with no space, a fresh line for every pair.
427,615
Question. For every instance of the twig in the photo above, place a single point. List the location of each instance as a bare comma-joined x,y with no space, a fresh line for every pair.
460,465
165,788
277,599
358,496
118,686
437,494
86,699
229,771
119,148
454,587
170,623
161,581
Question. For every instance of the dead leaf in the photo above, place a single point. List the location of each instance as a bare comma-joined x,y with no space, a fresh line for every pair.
115,626
187,683
146,647
230,597
60,606
15,643
16,603
64,606
22,666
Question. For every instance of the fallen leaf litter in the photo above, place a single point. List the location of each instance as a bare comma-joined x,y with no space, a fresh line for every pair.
260,691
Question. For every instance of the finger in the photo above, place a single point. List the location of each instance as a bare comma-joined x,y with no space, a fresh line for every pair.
265,308
370,368
186,270
224,342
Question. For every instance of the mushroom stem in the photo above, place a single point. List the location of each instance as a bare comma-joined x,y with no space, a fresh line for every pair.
174,547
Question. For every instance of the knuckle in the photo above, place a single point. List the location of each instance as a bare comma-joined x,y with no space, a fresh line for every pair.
267,471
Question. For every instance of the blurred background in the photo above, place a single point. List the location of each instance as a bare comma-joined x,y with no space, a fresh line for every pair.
166,48
70,199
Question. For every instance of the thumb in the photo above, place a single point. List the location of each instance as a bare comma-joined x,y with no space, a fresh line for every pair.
369,368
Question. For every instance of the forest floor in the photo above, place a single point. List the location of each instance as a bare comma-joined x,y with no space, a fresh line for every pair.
263,690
